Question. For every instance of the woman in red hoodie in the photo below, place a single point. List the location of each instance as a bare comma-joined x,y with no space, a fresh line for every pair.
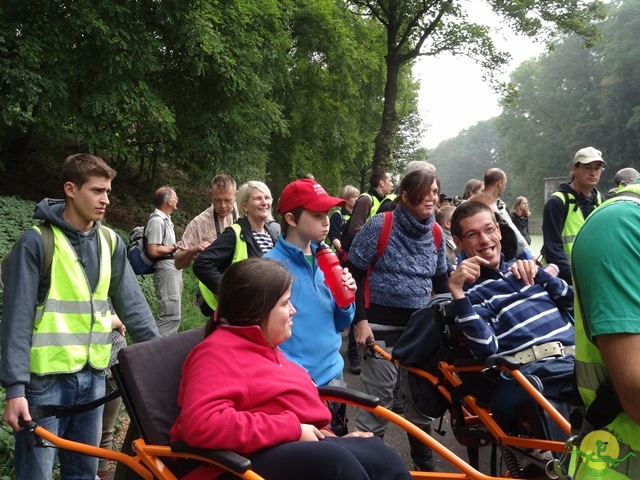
239,392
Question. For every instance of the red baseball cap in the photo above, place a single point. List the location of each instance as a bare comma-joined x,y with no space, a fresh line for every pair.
307,194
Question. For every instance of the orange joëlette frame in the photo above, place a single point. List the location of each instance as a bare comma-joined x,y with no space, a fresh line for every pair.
472,409
147,460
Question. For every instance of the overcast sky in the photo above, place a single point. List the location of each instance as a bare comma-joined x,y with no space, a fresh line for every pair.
453,95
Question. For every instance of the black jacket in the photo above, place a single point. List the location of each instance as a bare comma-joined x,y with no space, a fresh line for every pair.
211,263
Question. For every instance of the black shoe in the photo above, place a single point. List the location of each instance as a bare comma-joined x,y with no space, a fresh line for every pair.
355,367
431,466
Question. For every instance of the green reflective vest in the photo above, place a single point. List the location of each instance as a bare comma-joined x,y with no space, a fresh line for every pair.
73,325
591,372
375,203
239,254
573,220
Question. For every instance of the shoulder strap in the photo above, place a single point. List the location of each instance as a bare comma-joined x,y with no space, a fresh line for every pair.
48,242
144,232
385,233
437,235
383,239
215,223
106,234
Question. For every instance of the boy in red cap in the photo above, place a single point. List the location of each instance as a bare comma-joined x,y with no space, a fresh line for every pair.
315,340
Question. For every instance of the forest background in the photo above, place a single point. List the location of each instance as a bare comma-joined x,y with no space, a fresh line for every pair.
274,90
173,92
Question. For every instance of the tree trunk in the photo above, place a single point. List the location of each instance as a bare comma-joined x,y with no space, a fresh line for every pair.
385,138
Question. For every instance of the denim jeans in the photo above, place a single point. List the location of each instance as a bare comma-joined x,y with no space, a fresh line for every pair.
33,463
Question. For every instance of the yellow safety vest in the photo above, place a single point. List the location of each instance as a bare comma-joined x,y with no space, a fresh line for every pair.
73,325
239,254
573,220
591,372
375,203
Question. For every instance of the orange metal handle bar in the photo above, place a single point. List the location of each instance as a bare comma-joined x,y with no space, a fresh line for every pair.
150,453
421,373
129,461
146,462
468,472
542,401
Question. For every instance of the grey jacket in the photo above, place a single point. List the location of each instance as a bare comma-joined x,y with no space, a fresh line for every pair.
22,293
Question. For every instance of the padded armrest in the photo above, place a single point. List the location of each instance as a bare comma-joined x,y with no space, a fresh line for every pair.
226,458
354,396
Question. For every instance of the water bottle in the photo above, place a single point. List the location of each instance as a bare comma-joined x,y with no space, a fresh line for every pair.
330,266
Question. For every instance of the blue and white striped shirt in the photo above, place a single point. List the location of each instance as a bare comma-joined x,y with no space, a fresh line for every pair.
500,314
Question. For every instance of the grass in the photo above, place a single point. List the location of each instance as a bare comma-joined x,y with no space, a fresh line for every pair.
16,215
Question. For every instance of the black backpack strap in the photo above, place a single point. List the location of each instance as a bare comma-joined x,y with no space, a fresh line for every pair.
47,239
164,234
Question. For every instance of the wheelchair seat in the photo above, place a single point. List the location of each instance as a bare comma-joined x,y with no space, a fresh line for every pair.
148,375
151,374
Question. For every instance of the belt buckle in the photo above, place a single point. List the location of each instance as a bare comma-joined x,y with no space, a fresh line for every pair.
562,353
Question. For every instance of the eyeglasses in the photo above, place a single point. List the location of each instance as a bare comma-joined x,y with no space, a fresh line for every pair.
475,234
592,168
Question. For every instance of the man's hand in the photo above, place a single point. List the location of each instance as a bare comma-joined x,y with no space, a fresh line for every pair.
363,332
525,270
467,271
16,407
196,249
184,256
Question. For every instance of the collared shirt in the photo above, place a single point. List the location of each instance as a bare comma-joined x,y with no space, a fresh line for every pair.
203,229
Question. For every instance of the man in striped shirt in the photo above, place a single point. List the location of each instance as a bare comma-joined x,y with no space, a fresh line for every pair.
510,308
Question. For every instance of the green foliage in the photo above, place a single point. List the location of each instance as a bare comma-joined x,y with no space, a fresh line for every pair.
16,215
7,445
260,89
566,99
415,27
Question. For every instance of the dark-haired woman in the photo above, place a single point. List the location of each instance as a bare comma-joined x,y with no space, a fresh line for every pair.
411,268
239,392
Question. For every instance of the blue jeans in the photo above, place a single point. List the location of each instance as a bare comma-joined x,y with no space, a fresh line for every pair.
34,463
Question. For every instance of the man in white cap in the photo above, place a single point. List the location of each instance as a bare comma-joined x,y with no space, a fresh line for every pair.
567,209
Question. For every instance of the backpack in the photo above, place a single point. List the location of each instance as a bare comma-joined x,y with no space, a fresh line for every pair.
141,262
418,347
48,241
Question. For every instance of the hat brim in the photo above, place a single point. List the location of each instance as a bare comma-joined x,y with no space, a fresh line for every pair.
323,204
590,160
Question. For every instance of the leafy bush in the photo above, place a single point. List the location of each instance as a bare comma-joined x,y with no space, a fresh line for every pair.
7,446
